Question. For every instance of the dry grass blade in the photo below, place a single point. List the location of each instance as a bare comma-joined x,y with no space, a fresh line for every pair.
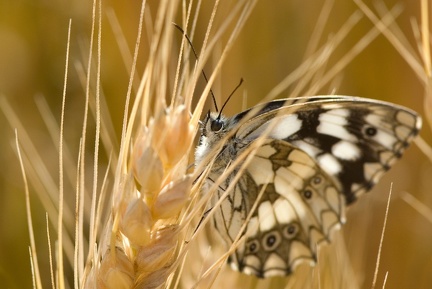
33,254
426,37
60,269
50,254
79,213
420,207
382,241
426,53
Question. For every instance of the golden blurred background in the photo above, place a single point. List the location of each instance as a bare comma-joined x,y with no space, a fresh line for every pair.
273,43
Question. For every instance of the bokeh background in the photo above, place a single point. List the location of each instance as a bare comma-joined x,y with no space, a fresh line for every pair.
272,44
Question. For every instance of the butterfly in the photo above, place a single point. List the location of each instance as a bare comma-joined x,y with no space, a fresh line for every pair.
302,161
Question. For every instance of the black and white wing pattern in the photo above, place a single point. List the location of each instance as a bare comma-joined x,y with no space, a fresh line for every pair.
315,156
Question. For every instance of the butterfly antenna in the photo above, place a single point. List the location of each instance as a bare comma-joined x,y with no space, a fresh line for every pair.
229,97
196,56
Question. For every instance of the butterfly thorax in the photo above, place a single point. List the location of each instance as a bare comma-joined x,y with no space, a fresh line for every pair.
218,141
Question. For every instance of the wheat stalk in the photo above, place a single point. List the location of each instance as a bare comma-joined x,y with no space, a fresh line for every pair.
141,244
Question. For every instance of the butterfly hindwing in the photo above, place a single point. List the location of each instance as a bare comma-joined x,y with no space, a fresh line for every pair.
298,209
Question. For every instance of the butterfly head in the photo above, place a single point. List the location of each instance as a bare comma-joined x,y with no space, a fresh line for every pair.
213,129
213,123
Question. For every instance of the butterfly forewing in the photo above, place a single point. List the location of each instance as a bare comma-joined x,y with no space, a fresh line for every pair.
314,156
356,139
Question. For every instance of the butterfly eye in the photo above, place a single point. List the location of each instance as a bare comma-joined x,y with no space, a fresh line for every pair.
216,125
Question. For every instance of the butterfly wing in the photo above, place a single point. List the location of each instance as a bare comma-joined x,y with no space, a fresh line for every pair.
355,140
297,210
318,154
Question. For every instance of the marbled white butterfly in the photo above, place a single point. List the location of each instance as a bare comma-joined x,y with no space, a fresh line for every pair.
312,157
